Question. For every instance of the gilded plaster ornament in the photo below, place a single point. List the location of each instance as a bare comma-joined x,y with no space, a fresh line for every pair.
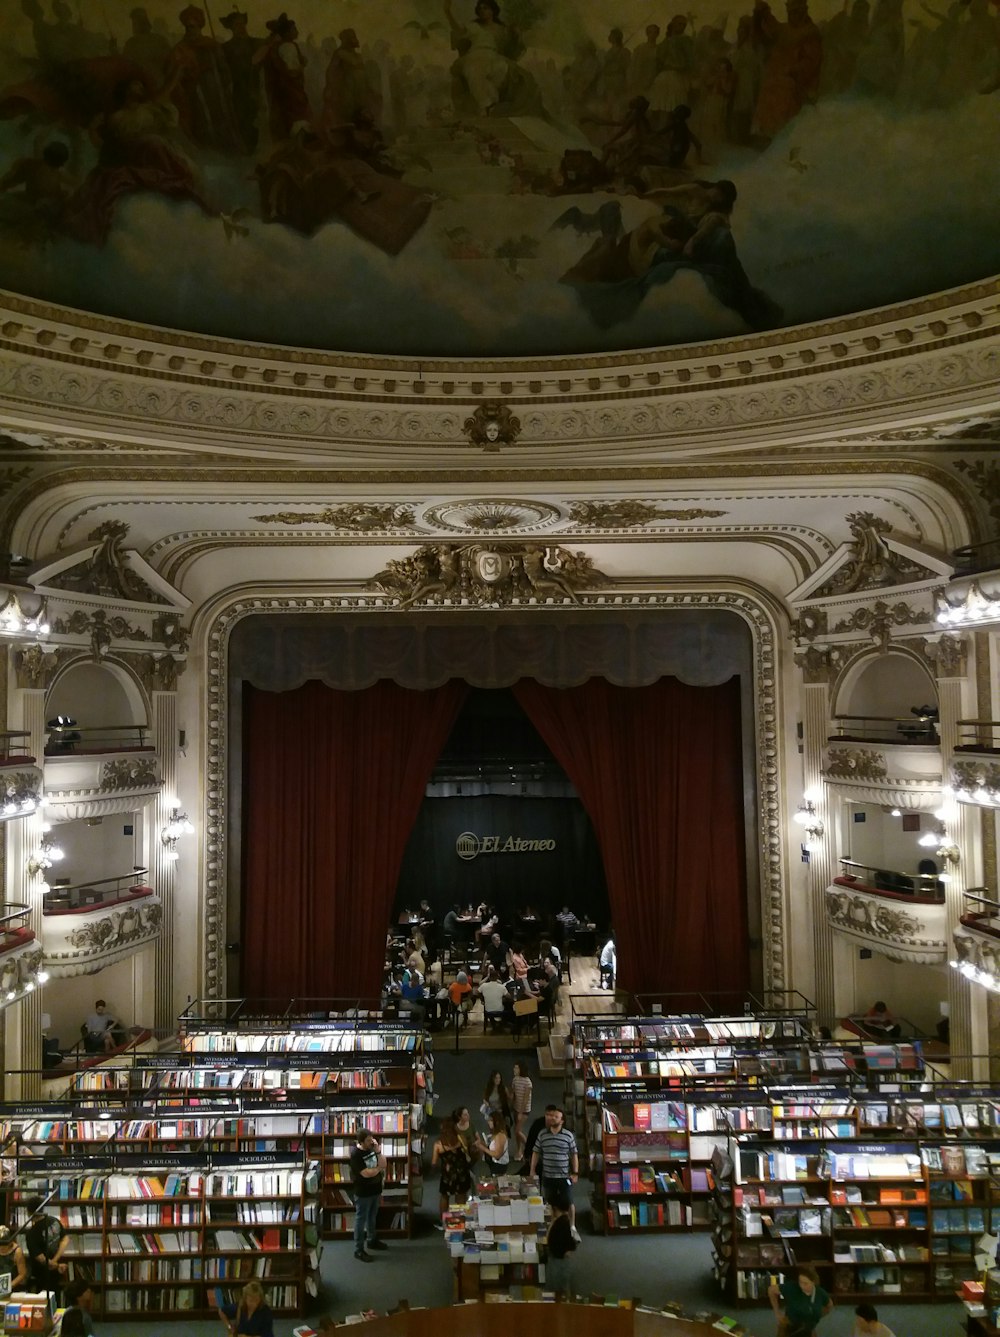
117,929
971,777
106,571
35,666
817,664
20,787
879,620
356,516
986,476
625,513
491,426
948,655
809,624
872,564
11,476
855,763
501,514
129,773
861,914
502,573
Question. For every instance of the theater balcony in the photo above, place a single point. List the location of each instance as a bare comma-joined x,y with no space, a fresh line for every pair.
894,761
977,939
900,915
20,777
975,774
93,924
20,954
972,596
93,771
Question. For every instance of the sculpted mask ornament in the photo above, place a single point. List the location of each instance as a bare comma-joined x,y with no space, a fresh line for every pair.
492,426
498,573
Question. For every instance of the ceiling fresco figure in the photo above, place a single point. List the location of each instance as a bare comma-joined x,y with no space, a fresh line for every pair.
270,160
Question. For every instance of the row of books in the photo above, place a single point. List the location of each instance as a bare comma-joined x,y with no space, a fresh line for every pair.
292,1042
640,1213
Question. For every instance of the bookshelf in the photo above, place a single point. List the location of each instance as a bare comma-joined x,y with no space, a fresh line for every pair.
154,1231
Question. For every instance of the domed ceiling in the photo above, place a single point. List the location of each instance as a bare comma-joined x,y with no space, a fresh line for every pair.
496,180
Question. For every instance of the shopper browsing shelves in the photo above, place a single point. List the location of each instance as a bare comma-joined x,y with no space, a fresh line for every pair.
799,1303
46,1241
368,1176
252,1317
13,1268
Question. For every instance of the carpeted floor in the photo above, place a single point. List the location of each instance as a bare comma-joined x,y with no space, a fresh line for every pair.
653,1267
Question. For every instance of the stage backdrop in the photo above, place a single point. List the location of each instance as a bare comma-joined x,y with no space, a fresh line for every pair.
443,867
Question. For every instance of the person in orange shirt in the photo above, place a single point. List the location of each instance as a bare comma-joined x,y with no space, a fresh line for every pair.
462,996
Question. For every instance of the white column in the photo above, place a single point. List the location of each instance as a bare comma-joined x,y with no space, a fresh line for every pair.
163,871
963,829
24,1030
820,870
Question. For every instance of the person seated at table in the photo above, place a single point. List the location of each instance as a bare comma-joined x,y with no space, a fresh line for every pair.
496,954
519,966
492,992
414,957
413,996
450,924
100,1030
548,951
462,996
880,1021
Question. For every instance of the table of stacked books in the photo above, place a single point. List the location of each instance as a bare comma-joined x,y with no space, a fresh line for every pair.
604,1318
495,1240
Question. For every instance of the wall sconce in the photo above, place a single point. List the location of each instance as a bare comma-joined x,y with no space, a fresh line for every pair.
45,856
809,819
938,842
975,975
178,826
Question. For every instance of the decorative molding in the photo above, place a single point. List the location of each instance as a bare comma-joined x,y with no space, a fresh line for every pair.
818,664
11,476
107,570
156,671
770,789
76,805
19,968
82,944
810,623
855,763
908,793
129,773
20,791
492,576
879,620
942,352
981,950
872,564
977,781
985,474
495,515
911,933
492,426
947,656
625,514
36,666
358,517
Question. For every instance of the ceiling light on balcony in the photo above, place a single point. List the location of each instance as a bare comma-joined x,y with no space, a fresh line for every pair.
929,840
45,856
896,812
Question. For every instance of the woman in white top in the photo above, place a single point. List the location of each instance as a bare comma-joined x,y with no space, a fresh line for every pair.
520,1099
497,1149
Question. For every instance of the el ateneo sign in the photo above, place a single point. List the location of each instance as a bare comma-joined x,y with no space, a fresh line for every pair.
469,846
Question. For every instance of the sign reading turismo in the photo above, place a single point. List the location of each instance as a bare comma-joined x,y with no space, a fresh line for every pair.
468,845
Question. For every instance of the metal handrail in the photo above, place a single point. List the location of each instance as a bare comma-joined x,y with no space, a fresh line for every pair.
908,729
62,899
283,1014
925,887
982,919
972,558
11,910
73,739
11,750
978,736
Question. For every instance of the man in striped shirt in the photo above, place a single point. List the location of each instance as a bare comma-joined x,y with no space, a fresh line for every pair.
555,1157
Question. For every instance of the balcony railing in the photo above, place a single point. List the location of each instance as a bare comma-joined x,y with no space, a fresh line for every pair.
926,888
978,736
14,930
981,913
908,729
974,558
14,747
68,740
65,900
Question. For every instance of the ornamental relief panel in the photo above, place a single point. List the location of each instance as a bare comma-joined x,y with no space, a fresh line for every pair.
80,944
19,968
978,949
899,931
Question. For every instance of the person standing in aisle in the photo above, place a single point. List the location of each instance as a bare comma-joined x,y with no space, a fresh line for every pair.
559,1244
556,1154
368,1176
13,1268
520,1099
46,1242
450,1155
799,1303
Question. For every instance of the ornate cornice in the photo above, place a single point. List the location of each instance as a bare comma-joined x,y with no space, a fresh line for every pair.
81,944
487,575
944,349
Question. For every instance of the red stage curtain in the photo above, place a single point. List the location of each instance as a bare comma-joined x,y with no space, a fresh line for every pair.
659,770
333,783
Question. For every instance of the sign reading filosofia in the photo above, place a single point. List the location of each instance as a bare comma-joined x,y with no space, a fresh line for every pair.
468,845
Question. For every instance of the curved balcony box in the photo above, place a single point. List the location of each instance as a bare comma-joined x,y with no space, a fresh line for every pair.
979,946
80,942
903,775
903,928
20,962
20,788
96,785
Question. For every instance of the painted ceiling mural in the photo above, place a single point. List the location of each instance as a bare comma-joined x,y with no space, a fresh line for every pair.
512,178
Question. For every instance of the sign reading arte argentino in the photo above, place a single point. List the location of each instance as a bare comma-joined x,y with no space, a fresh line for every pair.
468,845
